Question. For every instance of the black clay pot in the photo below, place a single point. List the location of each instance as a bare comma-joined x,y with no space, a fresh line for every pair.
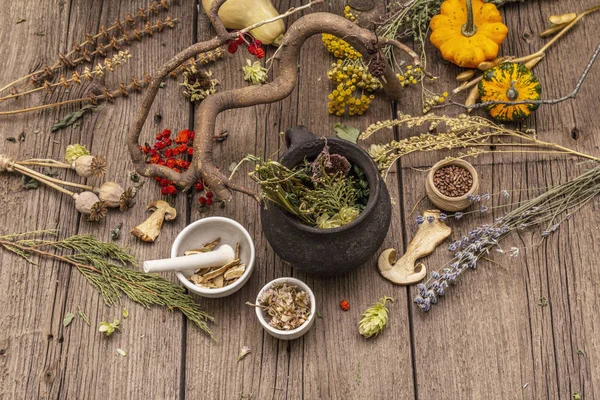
328,251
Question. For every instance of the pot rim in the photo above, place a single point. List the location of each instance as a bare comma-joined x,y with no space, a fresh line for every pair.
374,188
461,163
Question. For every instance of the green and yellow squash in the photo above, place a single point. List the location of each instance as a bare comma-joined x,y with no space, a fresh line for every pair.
510,82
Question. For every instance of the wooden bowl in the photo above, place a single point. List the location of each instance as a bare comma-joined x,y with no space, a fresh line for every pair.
447,203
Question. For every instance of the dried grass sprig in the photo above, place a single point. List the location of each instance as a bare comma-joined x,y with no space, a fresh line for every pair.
125,89
109,269
114,43
90,45
88,74
475,134
106,95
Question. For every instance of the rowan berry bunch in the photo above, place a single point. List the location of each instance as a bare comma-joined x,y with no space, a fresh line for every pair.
254,45
174,153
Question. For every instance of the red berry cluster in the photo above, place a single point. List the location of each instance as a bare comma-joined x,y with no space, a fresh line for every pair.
173,154
254,46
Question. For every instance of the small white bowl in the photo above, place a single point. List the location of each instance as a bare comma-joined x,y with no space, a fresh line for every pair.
294,333
205,230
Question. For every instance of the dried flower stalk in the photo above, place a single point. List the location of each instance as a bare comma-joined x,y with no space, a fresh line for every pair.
88,74
551,209
473,133
90,43
125,89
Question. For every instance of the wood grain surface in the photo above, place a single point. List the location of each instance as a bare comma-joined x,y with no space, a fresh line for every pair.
524,328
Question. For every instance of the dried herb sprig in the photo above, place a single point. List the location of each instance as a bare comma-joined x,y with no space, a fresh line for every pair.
90,44
124,89
473,133
549,210
76,78
319,194
109,269
106,95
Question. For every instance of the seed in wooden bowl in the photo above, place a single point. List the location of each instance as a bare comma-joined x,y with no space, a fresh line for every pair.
453,180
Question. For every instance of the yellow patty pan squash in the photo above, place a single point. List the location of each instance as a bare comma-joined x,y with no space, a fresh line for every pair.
239,14
468,32
510,82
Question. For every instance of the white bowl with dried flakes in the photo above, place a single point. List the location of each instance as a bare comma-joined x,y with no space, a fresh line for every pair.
263,318
207,230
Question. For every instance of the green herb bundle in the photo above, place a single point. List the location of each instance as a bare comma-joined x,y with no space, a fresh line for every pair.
327,193
108,268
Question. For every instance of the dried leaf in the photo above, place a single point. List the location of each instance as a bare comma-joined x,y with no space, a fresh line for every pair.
83,316
244,352
20,21
71,118
22,137
11,139
115,234
345,132
68,319
109,327
29,183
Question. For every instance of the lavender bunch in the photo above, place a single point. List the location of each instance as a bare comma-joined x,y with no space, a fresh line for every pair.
549,209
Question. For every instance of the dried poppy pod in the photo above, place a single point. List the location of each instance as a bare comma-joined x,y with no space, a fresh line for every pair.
88,166
89,204
111,193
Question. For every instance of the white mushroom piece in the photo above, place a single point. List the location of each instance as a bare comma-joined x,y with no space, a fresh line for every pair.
148,230
428,237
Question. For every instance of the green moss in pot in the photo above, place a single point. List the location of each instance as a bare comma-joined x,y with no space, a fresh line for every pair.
336,250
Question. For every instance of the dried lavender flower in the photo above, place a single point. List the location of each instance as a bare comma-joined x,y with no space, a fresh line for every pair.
550,208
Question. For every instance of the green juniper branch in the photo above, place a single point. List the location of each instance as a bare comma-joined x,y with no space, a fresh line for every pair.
110,269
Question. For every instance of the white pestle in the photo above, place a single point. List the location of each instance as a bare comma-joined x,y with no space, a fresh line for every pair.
216,258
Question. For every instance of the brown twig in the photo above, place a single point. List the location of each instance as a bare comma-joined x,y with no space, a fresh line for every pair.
402,47
203,165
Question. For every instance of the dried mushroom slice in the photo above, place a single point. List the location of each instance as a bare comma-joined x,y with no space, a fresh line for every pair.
213,274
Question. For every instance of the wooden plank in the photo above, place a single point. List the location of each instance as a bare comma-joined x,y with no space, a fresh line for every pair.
32,323
75,360
527,355
152,338
325,363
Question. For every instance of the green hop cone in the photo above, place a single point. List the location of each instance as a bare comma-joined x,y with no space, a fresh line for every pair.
375,318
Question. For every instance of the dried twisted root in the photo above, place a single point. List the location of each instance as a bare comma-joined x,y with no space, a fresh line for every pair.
203,165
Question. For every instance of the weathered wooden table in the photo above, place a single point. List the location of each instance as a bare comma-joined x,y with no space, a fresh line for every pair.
491,337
